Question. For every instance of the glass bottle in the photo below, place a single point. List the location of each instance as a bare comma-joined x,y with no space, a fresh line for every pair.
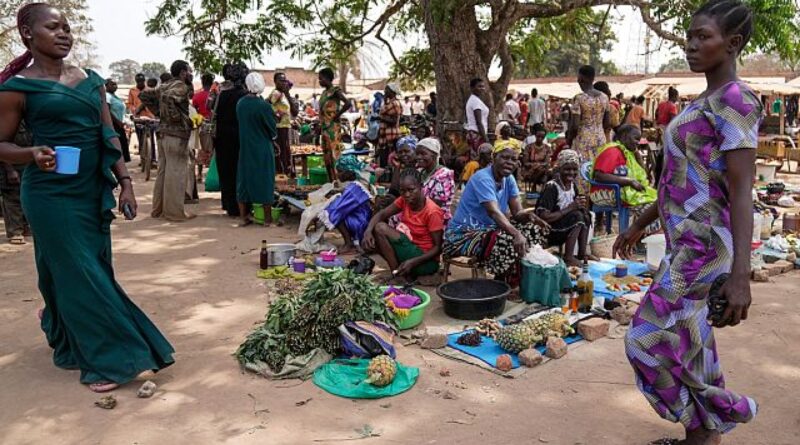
264,256
585,289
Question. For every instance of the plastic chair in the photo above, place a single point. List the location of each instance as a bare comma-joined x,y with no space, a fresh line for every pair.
624,213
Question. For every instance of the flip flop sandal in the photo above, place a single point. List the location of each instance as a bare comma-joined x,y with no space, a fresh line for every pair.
17,240
100,387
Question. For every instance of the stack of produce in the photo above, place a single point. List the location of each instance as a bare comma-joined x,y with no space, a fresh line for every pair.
298,322
518,337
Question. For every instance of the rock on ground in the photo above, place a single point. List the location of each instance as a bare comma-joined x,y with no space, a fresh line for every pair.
593,328
556,347
530,358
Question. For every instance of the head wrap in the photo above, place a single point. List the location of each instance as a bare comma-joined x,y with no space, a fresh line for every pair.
395,88
255,83
485,148
511,144
411,141
568,156
349,163
500,127
431,144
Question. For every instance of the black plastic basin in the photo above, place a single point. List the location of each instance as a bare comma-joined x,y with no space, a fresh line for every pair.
473,299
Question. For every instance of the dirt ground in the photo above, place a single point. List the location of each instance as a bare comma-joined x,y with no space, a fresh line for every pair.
197,282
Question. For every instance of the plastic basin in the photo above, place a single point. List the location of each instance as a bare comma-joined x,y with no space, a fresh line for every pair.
258,214
318,176
473,299
417,312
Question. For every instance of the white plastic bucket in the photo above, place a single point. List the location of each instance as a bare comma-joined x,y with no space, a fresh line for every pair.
656,249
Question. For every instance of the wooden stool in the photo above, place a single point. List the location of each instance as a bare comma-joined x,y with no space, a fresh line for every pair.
466,262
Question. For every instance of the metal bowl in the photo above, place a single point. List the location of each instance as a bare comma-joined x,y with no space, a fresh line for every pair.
473,299
279,254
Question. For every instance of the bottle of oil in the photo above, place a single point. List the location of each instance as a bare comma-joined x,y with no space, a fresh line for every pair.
264,257
585,289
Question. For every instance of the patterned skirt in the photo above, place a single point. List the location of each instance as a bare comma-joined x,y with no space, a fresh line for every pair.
493,247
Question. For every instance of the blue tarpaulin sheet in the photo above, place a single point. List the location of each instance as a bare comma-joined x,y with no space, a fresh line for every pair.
488,350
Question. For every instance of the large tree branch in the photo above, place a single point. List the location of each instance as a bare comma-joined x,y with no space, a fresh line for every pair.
378,23
400,65
500,86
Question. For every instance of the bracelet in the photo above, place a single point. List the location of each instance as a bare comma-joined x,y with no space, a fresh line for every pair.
121,178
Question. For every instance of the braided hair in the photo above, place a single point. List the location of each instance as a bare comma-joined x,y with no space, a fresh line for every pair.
732,16
25,17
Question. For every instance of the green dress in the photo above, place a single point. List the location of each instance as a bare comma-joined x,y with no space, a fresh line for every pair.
255,178
88,320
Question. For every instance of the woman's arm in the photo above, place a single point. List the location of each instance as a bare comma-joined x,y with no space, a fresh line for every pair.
740,181
626,241
11,106
479,122
345,104
432,254
608,178
381,216
520,242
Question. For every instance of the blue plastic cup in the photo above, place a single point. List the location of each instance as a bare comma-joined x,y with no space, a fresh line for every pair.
67,160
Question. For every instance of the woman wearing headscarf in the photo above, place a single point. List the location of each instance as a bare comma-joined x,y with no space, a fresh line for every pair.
566,209
402,159
438,181
389,117
490,223
484,159
255,178
226,142
351,211
89,321
332,105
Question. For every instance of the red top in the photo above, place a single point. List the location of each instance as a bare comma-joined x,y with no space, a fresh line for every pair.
610,161
422,223
523,113
666,112
200,103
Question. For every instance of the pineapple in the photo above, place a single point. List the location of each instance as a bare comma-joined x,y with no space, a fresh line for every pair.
381,371
518,337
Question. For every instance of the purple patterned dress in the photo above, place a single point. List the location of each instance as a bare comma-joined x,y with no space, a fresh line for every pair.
670,345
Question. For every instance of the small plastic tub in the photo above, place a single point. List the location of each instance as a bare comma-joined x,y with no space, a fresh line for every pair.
328,256
68,160
621,271
299,265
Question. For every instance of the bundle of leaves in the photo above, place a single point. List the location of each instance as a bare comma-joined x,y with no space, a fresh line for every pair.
300,321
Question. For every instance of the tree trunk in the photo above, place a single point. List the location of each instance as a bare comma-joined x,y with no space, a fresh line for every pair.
343,71
456,61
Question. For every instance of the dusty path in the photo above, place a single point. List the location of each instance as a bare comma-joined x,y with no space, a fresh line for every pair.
197,281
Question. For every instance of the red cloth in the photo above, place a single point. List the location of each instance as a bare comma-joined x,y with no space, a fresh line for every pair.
666,112
422,223
610,161
523,113
200,103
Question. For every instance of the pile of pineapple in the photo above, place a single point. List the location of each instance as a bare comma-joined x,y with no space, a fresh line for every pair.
518,337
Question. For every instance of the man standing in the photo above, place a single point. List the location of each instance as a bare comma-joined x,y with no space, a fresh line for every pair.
431,109
538,112
315,103
285,109
417,107
407,106
10,179
172,101
134,103
668,109
117,109
511,110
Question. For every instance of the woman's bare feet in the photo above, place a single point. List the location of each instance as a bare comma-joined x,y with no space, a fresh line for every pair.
245,222
348,249
572,261
104,386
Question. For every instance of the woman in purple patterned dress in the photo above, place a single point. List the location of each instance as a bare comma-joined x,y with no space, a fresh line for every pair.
707,211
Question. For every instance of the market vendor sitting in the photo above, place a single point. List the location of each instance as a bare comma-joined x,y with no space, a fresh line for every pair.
490,223
619,163
404,158
351,211
484,159
412,249
566,209
536,159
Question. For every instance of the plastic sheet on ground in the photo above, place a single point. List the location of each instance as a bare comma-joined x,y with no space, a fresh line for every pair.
345,378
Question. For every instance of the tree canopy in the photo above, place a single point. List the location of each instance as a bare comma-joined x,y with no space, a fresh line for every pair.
153,69
124,71
464,37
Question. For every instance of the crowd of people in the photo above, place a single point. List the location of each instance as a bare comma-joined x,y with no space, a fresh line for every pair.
703,195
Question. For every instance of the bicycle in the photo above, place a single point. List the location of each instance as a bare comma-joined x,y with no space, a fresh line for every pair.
146,127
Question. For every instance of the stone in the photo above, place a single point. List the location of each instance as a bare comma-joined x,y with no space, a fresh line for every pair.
786,266
621,315
593,328
434,341
556,347
147,390
761,275
504,363
773,269
107,402
791,257
530,358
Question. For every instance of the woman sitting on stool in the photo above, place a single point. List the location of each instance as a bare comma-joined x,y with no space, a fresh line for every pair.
566,209
413,248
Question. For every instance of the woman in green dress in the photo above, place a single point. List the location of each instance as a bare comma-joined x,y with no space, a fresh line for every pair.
88,320
255,178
